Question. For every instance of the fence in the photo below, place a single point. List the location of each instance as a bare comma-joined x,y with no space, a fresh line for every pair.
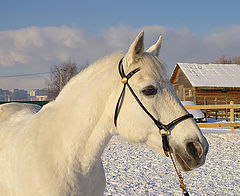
41,103
230,106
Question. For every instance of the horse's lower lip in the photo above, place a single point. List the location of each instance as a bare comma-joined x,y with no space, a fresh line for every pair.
182,163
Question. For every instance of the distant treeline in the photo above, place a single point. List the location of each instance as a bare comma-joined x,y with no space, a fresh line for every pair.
224,60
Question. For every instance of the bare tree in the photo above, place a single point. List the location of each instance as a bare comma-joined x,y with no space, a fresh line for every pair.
236,60
59,76
223,60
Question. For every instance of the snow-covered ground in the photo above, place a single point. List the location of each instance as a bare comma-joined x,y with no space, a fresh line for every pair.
135,169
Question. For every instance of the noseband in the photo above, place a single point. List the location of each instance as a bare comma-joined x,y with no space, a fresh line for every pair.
160,125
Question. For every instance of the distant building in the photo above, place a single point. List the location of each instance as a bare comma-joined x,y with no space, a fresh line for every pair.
5,95
22,95
19,95
38,95
207,83
32,93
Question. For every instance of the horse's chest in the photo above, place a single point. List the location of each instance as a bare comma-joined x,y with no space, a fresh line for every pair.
91,184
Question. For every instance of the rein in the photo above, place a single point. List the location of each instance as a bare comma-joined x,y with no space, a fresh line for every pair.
160,125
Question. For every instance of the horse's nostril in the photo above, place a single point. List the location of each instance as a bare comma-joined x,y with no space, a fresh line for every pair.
195,149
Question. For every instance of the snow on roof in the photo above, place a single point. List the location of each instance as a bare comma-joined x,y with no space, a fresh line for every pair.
212,75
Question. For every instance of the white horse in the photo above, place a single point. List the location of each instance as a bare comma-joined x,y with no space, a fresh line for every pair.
57,151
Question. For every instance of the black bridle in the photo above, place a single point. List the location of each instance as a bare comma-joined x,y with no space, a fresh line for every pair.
160,125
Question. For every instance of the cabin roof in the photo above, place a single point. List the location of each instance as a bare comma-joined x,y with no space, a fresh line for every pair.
210,75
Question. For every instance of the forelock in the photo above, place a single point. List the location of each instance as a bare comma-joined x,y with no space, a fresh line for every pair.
152,66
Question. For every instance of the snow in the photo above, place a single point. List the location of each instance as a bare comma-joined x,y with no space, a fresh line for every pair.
135,169
212,75
197,113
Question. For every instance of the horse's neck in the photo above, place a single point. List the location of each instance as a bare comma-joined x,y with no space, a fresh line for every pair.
81,118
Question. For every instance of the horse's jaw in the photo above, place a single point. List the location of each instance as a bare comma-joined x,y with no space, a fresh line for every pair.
155,142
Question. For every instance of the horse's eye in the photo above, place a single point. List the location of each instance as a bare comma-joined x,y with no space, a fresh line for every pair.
149,90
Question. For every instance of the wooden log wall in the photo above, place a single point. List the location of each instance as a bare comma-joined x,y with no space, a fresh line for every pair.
217,96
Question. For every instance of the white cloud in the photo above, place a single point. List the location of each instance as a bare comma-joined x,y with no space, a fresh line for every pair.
224,41
36,49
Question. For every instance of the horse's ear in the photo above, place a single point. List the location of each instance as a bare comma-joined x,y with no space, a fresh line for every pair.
155,49
136,49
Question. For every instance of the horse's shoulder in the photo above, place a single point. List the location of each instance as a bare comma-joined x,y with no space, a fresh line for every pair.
9,109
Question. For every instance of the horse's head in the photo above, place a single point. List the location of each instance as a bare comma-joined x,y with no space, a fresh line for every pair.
155,92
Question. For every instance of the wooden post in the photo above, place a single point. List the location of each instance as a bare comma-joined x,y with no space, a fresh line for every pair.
205,103
184,94
232,116
226,110
194,95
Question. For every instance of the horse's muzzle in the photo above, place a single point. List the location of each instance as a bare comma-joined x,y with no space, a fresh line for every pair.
193,157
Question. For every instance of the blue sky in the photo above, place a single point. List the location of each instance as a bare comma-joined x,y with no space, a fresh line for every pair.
198,16
34,35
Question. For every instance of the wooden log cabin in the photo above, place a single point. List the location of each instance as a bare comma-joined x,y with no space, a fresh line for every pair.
206,84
